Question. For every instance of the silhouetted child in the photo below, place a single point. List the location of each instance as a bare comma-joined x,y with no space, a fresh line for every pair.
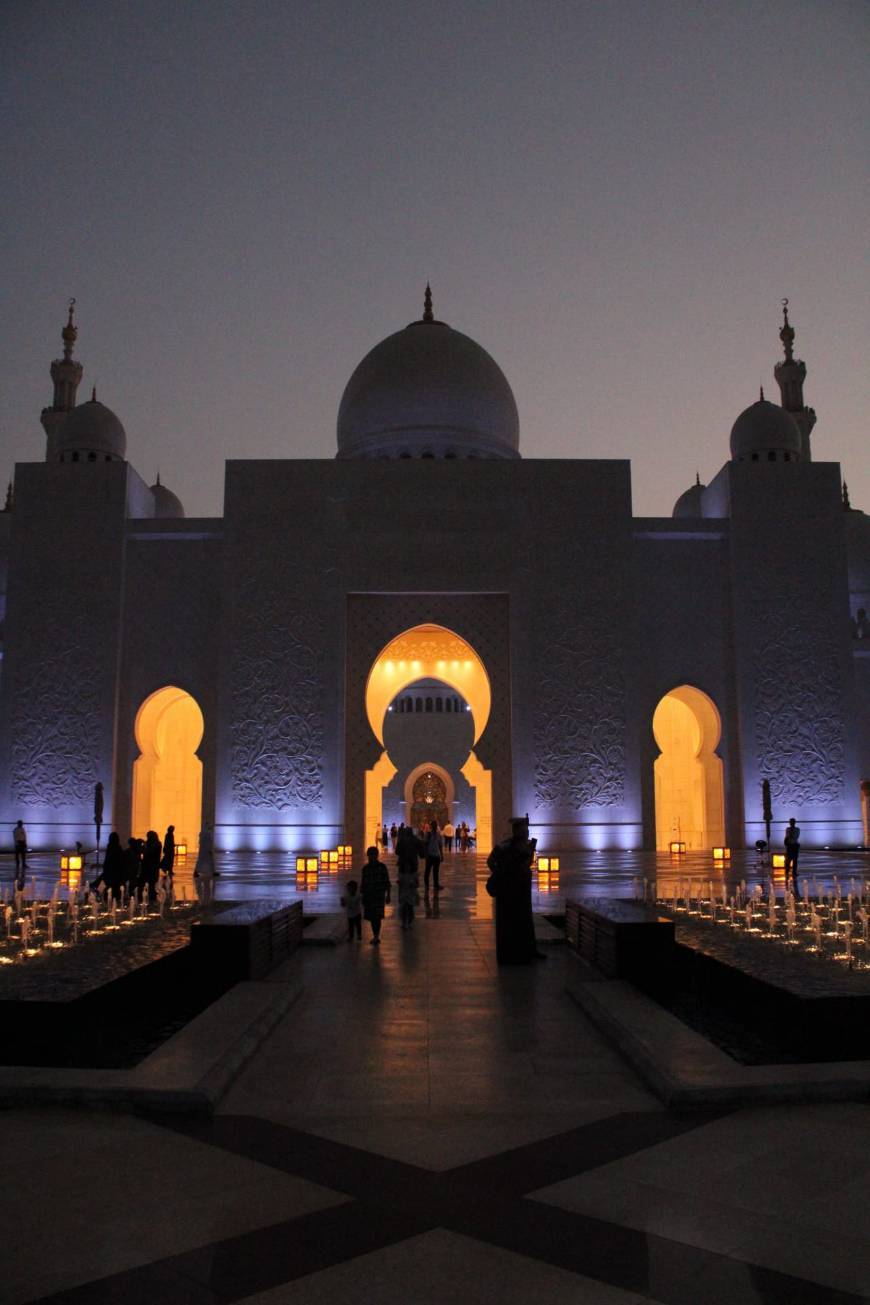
352,903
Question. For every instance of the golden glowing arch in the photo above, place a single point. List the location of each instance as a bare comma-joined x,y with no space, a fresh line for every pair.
689,791
167,775
428,652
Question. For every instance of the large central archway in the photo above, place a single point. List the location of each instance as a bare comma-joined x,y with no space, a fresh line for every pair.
428,652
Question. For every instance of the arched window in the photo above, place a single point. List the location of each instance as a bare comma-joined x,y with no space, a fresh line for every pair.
449,704
418,704
439,704
428,704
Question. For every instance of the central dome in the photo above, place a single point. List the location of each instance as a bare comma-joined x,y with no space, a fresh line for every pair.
428,391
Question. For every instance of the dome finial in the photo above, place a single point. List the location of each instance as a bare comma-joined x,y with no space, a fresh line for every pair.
69,332
697,477
94,394
787,333
761,394
428,315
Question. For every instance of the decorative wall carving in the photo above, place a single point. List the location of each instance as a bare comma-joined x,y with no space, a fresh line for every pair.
276,748
799,735
580,709
580,725
57,718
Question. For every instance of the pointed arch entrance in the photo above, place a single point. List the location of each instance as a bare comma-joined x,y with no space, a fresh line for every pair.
429,791
689,791
428,652
167,774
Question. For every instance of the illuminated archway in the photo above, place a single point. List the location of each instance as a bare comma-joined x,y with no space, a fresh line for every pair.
167,774
690,803
444,778
428,652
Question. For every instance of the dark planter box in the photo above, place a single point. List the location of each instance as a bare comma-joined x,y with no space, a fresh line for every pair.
624,940
248,941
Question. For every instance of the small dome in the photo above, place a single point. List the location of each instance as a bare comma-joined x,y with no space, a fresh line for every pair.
764,429
166,504
428,391
92,428
690,504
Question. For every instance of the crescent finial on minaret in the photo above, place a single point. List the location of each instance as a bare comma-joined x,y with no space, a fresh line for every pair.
787,333
69,332
428,315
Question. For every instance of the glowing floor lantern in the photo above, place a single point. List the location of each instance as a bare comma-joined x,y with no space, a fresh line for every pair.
324,856
676,849
778,860
306,865
71,864
180,850
345,851
546,864
333,860
721,853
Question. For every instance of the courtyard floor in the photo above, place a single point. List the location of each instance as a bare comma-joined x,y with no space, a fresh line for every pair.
422,1128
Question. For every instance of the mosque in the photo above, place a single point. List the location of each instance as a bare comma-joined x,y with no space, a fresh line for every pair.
503,635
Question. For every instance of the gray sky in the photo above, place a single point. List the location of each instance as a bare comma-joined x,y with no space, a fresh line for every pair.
612,198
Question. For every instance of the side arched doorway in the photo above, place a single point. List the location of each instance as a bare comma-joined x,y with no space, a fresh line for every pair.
167,774
689,791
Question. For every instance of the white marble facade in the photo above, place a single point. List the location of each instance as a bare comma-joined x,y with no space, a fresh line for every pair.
271,616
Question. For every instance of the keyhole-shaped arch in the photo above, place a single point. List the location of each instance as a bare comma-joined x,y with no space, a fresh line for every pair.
167,774
428,652
689,790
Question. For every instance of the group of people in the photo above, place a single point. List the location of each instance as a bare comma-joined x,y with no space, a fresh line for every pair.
510,884
387,837
136,868
369,896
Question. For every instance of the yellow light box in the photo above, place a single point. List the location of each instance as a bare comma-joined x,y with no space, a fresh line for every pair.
778,860
721,853
677,849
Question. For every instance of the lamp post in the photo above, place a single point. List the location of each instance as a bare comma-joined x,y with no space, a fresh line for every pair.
98,817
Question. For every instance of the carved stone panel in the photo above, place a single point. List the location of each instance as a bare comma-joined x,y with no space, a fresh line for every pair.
276,745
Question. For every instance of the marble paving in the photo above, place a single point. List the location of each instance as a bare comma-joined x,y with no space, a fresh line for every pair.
423,1127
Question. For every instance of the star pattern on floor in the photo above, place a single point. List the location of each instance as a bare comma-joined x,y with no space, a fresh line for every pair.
489,1200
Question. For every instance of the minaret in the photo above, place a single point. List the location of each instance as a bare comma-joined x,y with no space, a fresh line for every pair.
66,374
790,376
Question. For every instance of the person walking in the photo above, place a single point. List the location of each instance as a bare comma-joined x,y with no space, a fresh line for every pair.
394,834
792,850
434,855
150,869
375,891
352,903
114,871
510,883
447,831
408,850
19,839
168,859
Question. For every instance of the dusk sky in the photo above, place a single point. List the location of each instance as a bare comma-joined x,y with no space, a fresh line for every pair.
612,198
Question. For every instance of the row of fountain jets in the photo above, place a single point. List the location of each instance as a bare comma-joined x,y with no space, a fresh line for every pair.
33,926
833,924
